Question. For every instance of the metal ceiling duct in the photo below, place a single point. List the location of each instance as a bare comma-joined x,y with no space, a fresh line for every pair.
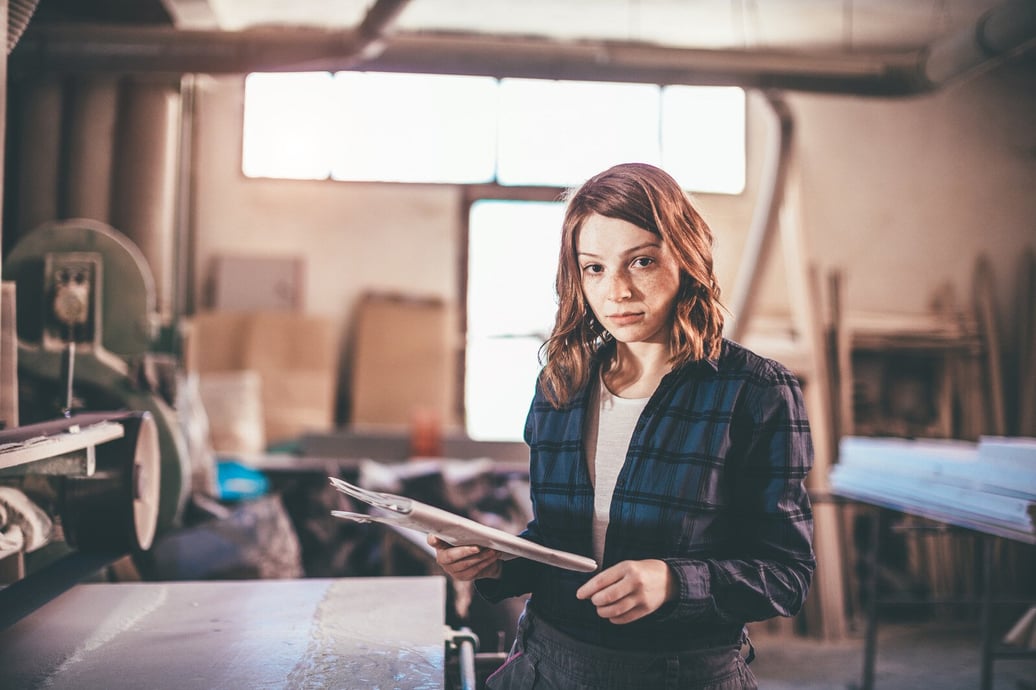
76,48
1002,32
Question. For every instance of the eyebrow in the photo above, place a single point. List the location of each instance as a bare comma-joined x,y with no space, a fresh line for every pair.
631,250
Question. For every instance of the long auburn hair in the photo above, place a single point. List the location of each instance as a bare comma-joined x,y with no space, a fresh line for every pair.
651,199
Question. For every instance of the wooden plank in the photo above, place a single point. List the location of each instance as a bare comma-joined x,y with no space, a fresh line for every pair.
985,309
1027,345
66,442
842,346
8,357
844,425
962,371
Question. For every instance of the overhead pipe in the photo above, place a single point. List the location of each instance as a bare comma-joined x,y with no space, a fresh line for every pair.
765,221
1000,33
142,49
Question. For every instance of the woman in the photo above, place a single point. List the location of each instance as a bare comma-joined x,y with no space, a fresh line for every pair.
674,457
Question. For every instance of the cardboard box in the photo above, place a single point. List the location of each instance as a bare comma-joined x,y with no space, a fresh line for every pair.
254,283
404,363
301,402
294,355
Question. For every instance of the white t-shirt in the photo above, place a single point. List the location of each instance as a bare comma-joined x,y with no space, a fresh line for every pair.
609,428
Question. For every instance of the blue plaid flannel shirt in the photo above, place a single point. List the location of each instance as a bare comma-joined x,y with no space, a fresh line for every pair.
713,484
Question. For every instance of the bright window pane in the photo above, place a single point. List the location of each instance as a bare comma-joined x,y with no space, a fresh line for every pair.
500,376
703,137
562,132
287,124
512,262
414,128
455,129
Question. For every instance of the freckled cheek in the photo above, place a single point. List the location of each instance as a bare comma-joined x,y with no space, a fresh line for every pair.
593,294
657,289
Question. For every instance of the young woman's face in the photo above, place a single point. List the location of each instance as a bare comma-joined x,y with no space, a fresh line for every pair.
629,279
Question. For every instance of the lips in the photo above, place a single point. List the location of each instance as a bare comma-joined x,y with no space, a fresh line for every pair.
625,318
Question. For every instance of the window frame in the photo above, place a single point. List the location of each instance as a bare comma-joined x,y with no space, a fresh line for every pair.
490,191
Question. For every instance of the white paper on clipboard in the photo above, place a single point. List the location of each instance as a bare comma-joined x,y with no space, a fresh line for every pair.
454,529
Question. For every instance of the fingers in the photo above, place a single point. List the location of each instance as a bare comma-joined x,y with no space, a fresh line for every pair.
629,590
466,562
601,581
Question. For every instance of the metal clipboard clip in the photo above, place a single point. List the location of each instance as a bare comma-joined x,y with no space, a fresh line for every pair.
400,511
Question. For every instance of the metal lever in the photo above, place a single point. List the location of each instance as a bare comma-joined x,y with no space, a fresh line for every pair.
466,643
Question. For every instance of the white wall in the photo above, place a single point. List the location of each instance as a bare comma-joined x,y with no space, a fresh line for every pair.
905,194
354,237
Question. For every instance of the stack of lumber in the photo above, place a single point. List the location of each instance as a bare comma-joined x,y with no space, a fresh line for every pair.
989,486
911,375
930,331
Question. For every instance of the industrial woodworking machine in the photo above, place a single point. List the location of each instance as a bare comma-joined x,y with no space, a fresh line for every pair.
91,418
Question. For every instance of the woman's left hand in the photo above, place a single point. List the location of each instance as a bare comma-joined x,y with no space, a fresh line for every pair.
630,590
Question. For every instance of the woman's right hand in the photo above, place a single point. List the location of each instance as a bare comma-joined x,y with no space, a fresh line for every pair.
466,562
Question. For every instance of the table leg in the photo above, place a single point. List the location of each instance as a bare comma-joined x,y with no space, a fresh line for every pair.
986,612
870,648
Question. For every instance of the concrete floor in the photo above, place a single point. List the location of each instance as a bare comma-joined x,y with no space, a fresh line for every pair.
911,656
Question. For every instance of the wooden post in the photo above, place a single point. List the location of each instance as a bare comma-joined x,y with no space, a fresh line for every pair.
804,292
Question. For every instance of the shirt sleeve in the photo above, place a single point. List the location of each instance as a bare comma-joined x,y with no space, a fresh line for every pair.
516,579
519,574
767,566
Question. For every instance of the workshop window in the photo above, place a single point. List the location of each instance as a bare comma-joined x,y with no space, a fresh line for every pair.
703,137
413,128
424,128
512,260
558,133
361,126
287,123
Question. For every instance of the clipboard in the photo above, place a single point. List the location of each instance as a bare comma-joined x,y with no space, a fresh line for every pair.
454,529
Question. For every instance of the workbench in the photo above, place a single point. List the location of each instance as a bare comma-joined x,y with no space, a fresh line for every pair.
385,632
953,487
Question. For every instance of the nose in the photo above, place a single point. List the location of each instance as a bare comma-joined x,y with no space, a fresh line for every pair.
619,287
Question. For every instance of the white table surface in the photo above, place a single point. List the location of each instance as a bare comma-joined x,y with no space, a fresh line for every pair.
363,633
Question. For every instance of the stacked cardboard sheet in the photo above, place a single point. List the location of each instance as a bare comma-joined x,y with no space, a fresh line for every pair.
989,486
